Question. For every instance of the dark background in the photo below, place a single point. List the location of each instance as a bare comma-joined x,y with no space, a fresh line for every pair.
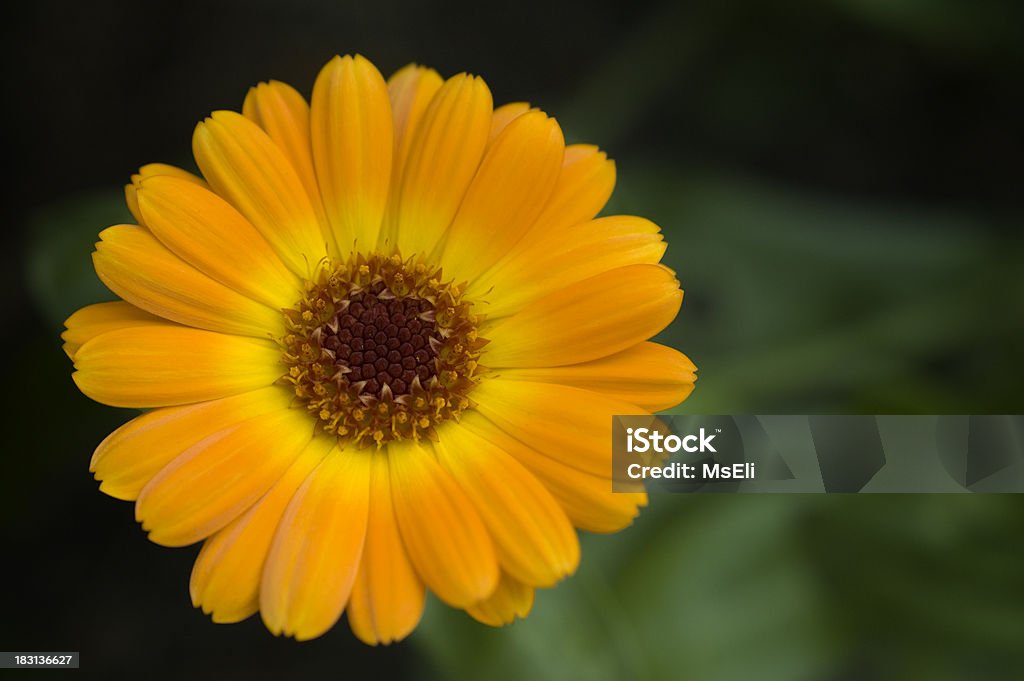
840,185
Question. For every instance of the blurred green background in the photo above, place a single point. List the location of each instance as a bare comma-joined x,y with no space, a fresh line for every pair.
840,185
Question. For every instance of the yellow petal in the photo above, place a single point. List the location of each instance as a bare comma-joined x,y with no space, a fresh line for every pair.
130,456
317,548
585,250
388,596
570,424
588,499
443,157
579,252
410,88
515,179
593,318
136,266
154,170
512,599
584,186
160,366
247,168
93,320
505,114
352,134
207,232
651,376
227,573
215,480
535,542
283,114
441,529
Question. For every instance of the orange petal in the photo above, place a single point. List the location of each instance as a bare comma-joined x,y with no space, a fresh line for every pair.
353,138
588,499
443,157
584,186
317,548
570,424
283,114
593,318
154,170
136,266
388,596
93,320
512,599
535,542
160,366
130,456
515,179
651,376
227,573
441,529
411,90
582,251
247,168
505,114
208,233
215,480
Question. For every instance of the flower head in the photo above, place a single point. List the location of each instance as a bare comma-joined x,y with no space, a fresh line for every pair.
379,342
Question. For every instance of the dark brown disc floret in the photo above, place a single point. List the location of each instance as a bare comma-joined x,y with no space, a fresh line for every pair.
382,349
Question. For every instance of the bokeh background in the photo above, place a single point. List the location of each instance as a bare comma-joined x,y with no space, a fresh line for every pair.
840,184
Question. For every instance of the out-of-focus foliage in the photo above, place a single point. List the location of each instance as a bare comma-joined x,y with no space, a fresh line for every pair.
779,587
805,303
60,273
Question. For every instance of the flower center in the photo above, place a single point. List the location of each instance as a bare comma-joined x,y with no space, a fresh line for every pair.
380,349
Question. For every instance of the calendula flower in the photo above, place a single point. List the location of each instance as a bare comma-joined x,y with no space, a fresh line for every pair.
379,343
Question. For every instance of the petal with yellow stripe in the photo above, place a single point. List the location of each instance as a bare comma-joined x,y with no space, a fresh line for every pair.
587,498
215,480
208,233
244,165
317,548
137,267
567,423
652,376
441,528
411,90
535,542
584,186
160,366
226,576
129,457
353,137
154,170
505,114
283,114
510,601
515,179
582,251
388,596
97,319
592,318
444,154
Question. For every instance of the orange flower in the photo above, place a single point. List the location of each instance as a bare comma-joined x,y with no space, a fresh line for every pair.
379,343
